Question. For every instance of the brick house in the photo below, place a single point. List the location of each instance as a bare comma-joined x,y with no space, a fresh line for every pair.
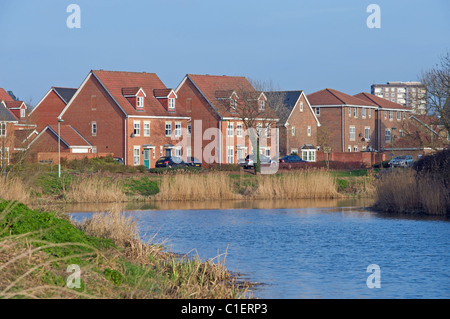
216,105
130,114
50,106
15,131
297,123
390,117
348,123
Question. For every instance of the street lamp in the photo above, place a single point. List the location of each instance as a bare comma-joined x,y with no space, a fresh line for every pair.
392,145
59,147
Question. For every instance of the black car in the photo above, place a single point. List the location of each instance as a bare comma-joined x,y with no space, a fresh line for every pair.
170,161
192,161
291,159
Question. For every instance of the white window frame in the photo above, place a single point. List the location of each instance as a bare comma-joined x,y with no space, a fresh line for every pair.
22,113
363,112
301,106
261,105
309,155
168,129
3,128
308,130
355,112
177,129
239,129
387,135
367,136
293,131
230,155
189,129
137,128
136,155
139,102
230,129
294,151
268,131
352,133
391,115
318,111
399,116
94,128
233,104
171,103
146,128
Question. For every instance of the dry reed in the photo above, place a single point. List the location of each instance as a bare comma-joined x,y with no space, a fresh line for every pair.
94,189
301,185
196,187
13,188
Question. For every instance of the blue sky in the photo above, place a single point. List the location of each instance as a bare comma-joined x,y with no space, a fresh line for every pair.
295,44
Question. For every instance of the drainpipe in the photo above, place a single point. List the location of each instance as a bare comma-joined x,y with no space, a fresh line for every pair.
342,127
125,142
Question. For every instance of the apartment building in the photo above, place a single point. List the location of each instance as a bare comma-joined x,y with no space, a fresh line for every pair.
409,94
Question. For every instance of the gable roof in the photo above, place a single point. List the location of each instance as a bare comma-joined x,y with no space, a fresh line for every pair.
68,135
283,102
383,103
5,114
5,96
65,93
336,98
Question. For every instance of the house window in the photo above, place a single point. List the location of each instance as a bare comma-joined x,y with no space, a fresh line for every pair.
404,115
146,128
294,150
177,128
171,103
160,151
239,130
387,135
268,130
261,106
309,155
370,112
391,115
168,131
177,151
188,151
355,148
293,131
137,128
309,130
349,112
94,128
267,153
363,112
137,155
318,111
385,114
301,106
355,112
367,133
401,133
233,104
140,102
230,155
189,129
399,116
2,129
352,133
230,129
349,149
22,113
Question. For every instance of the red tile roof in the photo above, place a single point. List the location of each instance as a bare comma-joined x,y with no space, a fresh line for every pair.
69,135
115,81
334,97
216,88
13,104
161,92
5,96
383,103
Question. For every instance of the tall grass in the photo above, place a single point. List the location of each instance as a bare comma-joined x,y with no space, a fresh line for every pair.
405,191
196,187
300,185
94,188
13,188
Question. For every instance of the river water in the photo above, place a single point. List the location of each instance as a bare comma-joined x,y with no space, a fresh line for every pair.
306,249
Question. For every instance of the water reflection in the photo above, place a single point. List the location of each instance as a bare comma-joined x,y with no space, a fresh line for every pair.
226,204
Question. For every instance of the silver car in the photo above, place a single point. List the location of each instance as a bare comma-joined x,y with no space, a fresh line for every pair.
403,161
250,159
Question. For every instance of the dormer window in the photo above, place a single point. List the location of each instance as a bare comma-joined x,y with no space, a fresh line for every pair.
140,102
171,103
261,106
22,113
233,104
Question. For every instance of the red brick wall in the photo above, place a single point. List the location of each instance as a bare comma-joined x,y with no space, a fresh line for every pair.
94,104
360,123
301,120
389,124
330,125
48,111
368,158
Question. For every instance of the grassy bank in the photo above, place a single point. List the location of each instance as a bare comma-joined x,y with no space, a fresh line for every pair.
37,247
107,187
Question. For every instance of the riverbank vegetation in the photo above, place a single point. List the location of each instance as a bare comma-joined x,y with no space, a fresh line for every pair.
39,252
423,189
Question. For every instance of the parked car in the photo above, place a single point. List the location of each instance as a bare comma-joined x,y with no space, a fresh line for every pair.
248,161
291,159
192,161
403,161
170,161
118,160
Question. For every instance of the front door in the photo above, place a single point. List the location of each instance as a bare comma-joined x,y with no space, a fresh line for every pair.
168,152
147,158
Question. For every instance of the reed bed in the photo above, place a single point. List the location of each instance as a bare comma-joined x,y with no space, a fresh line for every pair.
306,184
196,187
87,188
13,188
405,191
